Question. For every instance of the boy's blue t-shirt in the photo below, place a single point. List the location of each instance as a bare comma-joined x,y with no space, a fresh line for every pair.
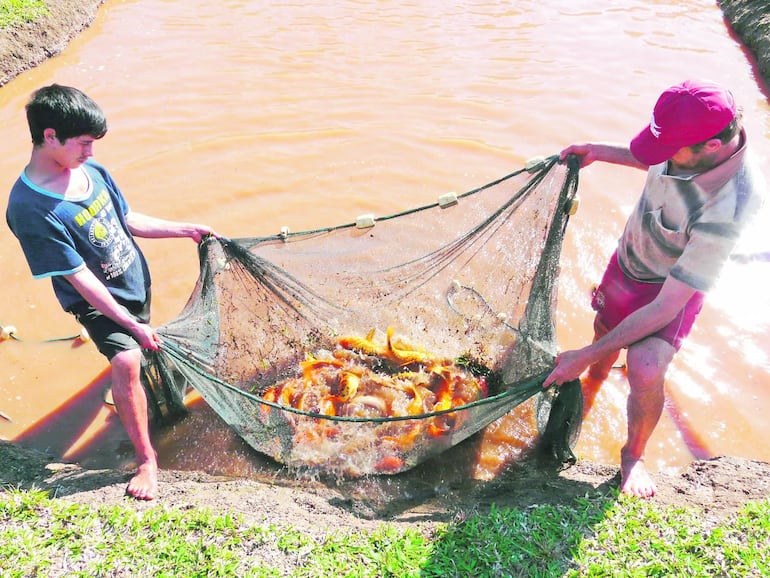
61,236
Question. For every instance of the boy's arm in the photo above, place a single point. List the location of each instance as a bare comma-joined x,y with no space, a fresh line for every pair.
607,152
142,225
97,295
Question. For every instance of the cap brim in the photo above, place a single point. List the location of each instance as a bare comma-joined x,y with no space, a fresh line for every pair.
648,150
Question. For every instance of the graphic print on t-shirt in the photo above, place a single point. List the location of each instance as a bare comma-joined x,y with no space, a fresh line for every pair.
106,233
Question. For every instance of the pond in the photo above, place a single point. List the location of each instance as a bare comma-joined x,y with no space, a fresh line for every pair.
252,116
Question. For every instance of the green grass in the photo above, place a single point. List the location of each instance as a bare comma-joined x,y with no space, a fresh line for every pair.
14,12
597,535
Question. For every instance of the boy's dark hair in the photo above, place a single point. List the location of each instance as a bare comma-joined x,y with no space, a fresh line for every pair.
66,110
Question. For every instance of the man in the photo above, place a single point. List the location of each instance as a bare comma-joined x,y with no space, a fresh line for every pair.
700,191
74,226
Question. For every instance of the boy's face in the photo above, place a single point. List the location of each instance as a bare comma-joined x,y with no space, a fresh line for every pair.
73,152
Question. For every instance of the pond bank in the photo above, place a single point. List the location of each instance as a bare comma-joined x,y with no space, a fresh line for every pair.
749,20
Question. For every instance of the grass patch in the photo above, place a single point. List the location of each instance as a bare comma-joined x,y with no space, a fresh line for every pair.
598,535
640,539
535,542
15,12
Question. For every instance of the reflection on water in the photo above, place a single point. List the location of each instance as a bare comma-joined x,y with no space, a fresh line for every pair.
318,113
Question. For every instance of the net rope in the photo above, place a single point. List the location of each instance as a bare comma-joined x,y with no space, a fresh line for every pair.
369,347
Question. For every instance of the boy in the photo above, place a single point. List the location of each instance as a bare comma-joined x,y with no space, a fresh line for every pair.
74,226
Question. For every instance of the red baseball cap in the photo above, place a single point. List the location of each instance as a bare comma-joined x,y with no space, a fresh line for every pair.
685,114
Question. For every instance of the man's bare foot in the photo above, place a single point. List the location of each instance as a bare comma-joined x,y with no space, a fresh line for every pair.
144,485
634,479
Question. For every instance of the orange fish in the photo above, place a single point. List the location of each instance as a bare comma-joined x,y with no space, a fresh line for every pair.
389,464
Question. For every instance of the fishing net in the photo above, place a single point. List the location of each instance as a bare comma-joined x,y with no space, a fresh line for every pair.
368,347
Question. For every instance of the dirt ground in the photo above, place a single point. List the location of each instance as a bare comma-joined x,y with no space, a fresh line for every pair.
719,486
25,46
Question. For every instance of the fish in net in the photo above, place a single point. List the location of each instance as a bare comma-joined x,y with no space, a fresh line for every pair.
369,347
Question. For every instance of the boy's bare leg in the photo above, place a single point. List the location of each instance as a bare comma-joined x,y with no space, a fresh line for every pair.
647,363
131,404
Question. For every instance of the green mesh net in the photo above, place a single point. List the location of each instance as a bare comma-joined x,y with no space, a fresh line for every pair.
369,347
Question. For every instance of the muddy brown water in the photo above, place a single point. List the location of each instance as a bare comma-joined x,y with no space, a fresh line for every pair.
253,116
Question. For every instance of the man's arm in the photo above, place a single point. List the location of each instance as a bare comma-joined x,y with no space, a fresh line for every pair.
606,152
142,225
645,321
98,296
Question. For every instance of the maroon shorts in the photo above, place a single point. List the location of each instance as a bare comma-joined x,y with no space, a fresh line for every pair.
618,296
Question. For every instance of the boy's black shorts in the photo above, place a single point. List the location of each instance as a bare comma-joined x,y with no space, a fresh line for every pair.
109,337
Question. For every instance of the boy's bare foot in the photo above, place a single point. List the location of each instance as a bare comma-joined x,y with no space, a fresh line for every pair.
144,485
634,479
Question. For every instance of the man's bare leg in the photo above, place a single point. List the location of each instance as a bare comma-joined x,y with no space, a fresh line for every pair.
647,363
595,376
131,404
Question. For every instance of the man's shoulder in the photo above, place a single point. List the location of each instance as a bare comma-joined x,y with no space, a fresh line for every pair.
751,189
749,181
